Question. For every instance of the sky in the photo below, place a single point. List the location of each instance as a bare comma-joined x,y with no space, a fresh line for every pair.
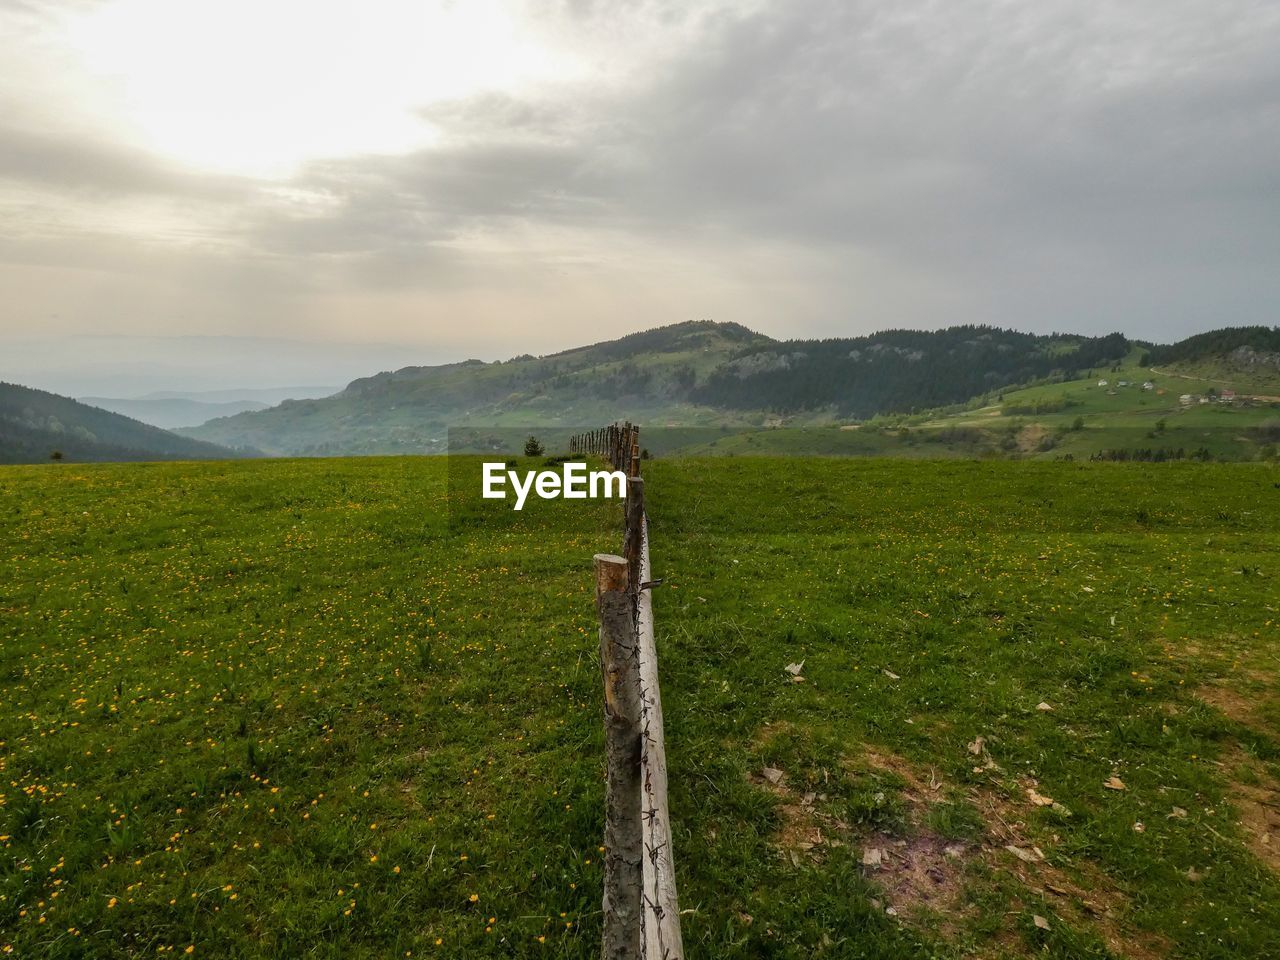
200,192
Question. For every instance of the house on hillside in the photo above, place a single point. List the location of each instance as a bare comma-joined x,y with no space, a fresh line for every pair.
1186,399
1227,395
1102,383
1122,383
1148,385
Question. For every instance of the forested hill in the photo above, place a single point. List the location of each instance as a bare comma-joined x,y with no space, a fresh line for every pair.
687,374
36,426
647,376
1244,348
898,370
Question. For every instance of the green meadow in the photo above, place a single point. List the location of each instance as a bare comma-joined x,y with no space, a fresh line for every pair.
313,708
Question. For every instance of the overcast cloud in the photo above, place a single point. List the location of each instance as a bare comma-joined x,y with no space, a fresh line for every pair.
808,168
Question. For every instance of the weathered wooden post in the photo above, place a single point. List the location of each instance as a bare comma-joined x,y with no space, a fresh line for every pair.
623,830
633,536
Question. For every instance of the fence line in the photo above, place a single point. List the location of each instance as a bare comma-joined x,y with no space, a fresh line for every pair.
629,664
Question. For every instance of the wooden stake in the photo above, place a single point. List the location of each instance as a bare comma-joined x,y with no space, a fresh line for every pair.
623,831
633,537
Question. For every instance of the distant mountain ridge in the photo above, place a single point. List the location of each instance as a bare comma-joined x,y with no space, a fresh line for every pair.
697,373
175,412
644,375
692,373
169,409
265,395
36,425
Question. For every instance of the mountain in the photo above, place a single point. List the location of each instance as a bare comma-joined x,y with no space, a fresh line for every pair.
1244,357
645,375
897,371
1215,396
1228,341
34,425
267,396
169,409
722,375
694,373
168,413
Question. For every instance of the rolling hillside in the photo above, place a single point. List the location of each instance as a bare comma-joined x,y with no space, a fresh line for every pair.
1127,411
36,426
648,375
687,374
1244,358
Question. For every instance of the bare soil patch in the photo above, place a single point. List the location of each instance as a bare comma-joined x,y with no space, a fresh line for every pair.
1226,697
1255,794
1242,697
922,874
1030,437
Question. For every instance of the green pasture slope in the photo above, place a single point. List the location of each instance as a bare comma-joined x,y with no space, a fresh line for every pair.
287,709
1076,419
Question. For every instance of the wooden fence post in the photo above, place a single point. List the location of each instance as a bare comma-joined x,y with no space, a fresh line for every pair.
633,536
641,908
623,830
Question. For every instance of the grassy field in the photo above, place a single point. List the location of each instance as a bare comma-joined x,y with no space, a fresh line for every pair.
287,709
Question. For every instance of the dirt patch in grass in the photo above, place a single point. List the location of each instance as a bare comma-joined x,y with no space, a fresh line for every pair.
918,872
1251,788
1255,795
924,870
804,830
923,873
919,785
1244,700
800,832
1083,895
1226,698
1030,438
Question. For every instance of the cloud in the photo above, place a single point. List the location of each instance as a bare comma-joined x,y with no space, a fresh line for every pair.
812,168
79,165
